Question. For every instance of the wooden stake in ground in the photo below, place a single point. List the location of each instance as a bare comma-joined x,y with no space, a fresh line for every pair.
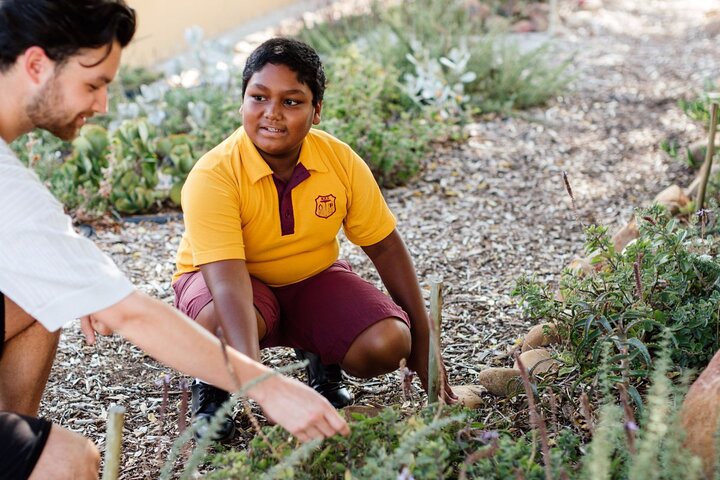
113,442
434,378
554,18
707,165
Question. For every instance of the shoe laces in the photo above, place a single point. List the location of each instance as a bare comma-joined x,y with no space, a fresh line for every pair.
209,395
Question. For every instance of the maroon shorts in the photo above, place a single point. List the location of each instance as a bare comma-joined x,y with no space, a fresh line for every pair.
322,314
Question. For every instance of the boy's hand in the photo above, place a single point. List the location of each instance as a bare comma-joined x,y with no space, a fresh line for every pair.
446,392
298,409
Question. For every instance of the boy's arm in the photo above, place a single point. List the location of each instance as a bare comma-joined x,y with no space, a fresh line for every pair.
229,284
393,263
173,339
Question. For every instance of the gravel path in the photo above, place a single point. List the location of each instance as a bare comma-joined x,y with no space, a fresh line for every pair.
481,214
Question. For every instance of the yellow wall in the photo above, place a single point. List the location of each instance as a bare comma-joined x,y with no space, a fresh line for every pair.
162,23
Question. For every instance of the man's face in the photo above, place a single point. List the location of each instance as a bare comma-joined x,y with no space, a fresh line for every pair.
74,92
278,112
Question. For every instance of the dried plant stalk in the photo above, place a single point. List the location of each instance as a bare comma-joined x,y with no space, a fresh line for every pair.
113,442
238,386
710,152
435,380
536,418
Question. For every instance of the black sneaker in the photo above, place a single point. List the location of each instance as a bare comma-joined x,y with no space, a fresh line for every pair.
206,400
326,379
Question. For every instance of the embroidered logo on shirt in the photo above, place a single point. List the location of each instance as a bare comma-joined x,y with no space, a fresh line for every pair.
325,206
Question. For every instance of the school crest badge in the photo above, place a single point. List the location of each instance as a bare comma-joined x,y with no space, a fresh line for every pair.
325,206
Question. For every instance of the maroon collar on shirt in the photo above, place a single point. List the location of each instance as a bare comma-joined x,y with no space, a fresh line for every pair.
284,190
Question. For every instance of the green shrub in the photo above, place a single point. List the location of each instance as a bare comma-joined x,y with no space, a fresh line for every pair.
509,79
130,79
668,278
364,107
388,447
698,109
652,450
504,77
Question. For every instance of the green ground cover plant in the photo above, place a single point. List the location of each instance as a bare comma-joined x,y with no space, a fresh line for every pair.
669,278
456,443
697,109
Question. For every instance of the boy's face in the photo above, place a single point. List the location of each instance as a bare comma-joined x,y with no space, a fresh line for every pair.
278,113
73,92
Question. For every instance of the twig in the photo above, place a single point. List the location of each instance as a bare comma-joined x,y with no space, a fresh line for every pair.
568,188
587,411
243,399
435,380
486,452
406,376
553,408
182,424
165,383
630,426
638,277
709,153
536,418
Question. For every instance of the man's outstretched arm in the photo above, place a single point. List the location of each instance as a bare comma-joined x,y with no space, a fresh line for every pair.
171,338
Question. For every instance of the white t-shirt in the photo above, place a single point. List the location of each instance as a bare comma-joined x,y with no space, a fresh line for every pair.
46,268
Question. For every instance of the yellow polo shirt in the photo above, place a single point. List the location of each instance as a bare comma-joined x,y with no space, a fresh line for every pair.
234,208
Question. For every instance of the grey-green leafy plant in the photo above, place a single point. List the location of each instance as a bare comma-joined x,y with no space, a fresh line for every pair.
668,278
659,453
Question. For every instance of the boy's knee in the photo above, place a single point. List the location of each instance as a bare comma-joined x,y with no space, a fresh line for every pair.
396,342
379,349
67,455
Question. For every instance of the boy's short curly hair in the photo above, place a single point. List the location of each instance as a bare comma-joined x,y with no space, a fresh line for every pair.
299,57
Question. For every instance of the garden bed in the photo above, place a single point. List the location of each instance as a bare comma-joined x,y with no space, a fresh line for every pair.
482,213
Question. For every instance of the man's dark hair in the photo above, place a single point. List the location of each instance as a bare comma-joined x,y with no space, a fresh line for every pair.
296,55
62,27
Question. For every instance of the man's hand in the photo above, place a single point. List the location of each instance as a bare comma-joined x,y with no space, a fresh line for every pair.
298,409
90,326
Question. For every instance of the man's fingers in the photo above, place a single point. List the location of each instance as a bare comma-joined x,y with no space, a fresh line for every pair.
338,423
87,330
326,426
100,327
313,433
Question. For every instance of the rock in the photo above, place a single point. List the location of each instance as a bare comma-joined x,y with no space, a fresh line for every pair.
366,410
581,266
497,23
523,26
537,361
591,5
537,13
712,28
502,382
673,198
697,150
469,395
699,415
625,235
536,337
477,10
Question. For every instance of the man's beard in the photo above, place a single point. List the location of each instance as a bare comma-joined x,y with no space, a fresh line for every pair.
46,111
